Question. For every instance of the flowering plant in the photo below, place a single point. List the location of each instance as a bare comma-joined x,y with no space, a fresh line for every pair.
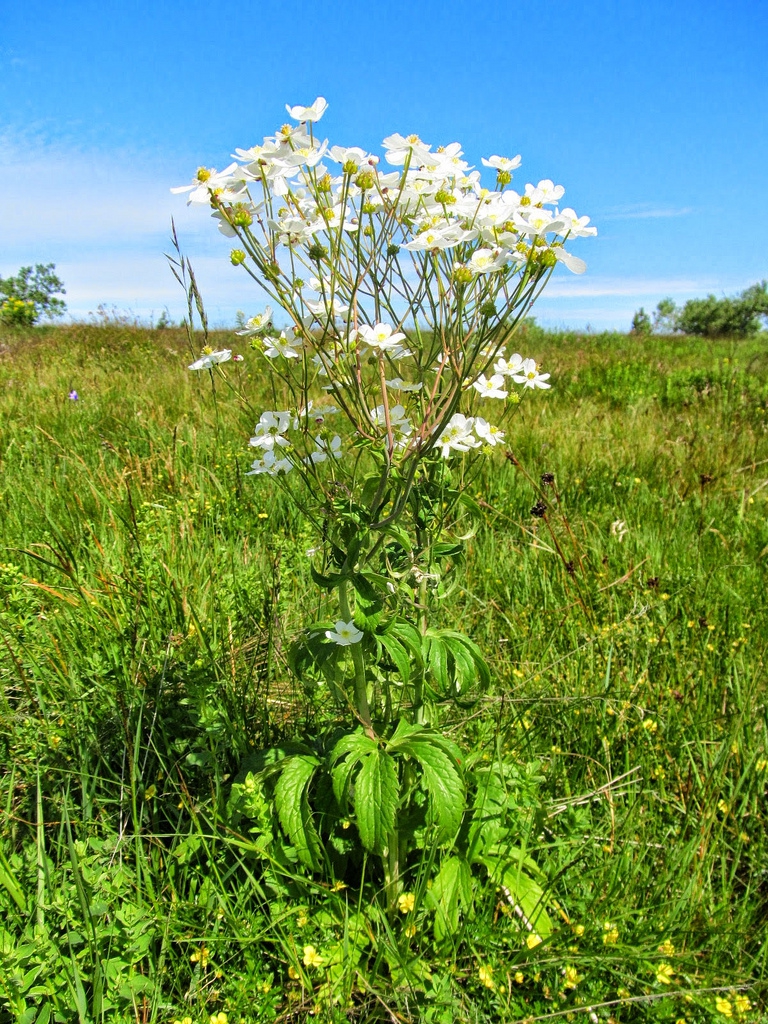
403,283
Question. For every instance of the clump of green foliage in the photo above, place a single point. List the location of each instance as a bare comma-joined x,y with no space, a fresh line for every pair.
31,295
740,316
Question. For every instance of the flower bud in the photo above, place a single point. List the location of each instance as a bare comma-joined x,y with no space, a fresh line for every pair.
392,249
368,231
488,309
368,208
240,216
503,178
462,275
350,167
444,197
236,257
365,180
324,183
317,252
547,259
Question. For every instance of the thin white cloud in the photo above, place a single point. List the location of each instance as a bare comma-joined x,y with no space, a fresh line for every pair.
644,211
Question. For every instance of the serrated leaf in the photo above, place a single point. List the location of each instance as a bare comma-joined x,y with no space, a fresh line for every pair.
353,748
293,810
451,892
436,661
376,798
442,779
398,654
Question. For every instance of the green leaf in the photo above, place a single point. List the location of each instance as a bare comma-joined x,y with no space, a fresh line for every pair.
436,662
522,892
293,810
442,779
451,892
329,582
376,798
353,748
397,653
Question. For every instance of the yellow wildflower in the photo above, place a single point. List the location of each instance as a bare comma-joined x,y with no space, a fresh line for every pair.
572,977
486,977
742,1004
724,1006
722,806
519,977
218,1018
200,956
311,957
406,901
578,930
410,931
610,934
667,948
665,974
533,940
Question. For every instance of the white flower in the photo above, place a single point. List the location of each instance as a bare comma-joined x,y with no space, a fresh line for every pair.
397,418
575,226
398,148
380,336
287,345
344,633
269,463
313,113
545,192
491,388
486,261
269,430
487,432
457,435
324,449
574,263
530,376
507,367
400,385
211,359
208,180
502,163
257,323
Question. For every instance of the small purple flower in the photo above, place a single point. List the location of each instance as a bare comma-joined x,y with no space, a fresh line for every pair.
73,396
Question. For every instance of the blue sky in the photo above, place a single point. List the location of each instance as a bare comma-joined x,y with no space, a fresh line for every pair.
653,115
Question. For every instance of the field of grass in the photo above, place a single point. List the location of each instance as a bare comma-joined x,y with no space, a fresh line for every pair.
147,591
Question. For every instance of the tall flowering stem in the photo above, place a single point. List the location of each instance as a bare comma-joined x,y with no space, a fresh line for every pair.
401,283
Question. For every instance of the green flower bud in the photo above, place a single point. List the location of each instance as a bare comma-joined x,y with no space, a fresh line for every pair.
488,309
240,216
324,184
446,198
523,247
368,231
350,167
365,180
368,208
503,178
547,258
317,252
513,397
236,257
540,242
392,249
462,275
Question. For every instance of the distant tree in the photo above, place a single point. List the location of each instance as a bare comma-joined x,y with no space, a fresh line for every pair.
31,294
738,317
665,317
641,324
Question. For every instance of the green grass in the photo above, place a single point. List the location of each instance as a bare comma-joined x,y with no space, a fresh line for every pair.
148,589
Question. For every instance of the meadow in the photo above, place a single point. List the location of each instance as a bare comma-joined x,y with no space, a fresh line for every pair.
148,588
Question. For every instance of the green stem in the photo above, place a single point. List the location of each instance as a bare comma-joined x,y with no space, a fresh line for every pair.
361,690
